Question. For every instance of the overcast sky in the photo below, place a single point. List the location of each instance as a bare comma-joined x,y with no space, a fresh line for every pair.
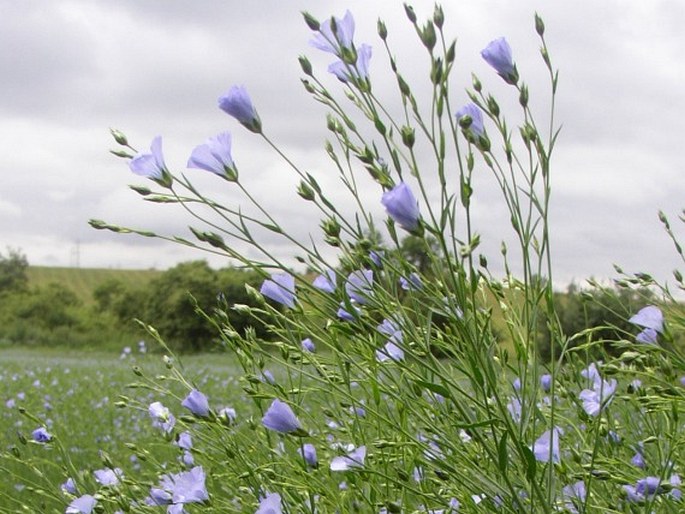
72,69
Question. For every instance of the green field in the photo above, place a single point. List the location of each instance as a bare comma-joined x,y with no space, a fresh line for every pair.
83,281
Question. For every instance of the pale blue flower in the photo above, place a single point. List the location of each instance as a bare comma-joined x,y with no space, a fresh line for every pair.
108,477
647,336
402,206
197,403
333,42
215,156
151,165
638,460
649,317
184,441
41,435
69,486
180,488
546,382
390,352
359,71
358,285
573,495
161,417
281,418
377,257
326,282
237,103
352,460
308,452
345,315
280,288
498,55
411,283
473,111
270,504
308,345
595,399
547,445
82,505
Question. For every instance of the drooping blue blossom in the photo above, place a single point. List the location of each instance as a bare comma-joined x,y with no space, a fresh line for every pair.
81,505
354,459
377,257
647,336
390,351
281,418
649,317
177,489
308,345
546,382
215,156
638,460
390,328
332,41
41,435
280,288
675,483
358,285
547,445
601,393
236,102
270,504
151,165
228,414
474,112
402,206
350,72
184,441
69,486
498,55
644,488
161,417
514,408
516,384
573,495
327,281
108,477
308,453
345,315
197,403
411,283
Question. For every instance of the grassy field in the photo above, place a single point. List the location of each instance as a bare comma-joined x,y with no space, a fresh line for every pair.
83,281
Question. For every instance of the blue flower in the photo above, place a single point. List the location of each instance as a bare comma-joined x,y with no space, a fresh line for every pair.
401,206
647,336
643,489
151,165
108,477
638,460
184,441
180,488
281,289
308,345
547,445
215,156
41,435
308,453
595,399
359,70
270,504
498,55
82,505
345,315
354,459
476,115
69,486
197,403
161,417
377,257
358,285
281,418
390,352
326,282
236,102
546,382
573,495
649,317
332,41
411,283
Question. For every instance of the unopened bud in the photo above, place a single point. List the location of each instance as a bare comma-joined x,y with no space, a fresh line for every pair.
410,13
382,30
119,137
408,136
428,36
438,16
539,25
311,22
305,65
477,86
305,191
523,96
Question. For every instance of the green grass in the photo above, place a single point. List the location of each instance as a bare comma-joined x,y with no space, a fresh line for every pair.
83,281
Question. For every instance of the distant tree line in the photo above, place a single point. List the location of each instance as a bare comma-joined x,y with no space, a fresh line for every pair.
53,315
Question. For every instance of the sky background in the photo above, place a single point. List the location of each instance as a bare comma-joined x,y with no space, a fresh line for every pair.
73,69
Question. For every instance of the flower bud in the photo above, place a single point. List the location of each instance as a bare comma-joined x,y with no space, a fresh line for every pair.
305,191
438,16
493,106
539,25
311,22
382,30
451,52
121,153
404,87
428,37
477,86
410,13
523,96
305,65
119,137
408,136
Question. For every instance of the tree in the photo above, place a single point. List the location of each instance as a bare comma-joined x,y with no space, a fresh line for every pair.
13,268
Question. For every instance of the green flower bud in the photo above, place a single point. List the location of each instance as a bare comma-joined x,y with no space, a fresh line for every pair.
438,16
428,36
408,136
539,25
477,86
305,65
410,13
382,30
119,137
311,22
305,191
523,96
